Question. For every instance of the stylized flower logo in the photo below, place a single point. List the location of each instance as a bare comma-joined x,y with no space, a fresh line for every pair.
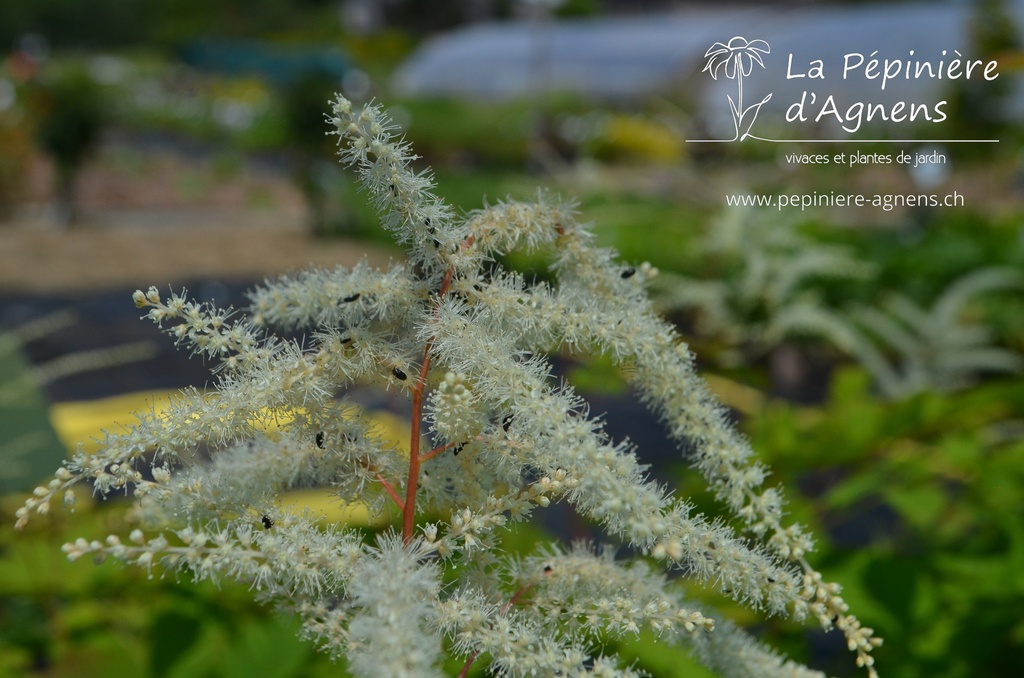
736,59
739,54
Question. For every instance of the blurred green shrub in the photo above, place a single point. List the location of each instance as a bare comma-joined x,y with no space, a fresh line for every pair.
27,442
484,134
763,291
636,138
921,262
303,102
70,112
379,52
938,347
98,23
921,507
62,621
101,24
984,109
765,287
15,142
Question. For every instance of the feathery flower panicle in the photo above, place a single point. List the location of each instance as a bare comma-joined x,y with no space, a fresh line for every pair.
493,440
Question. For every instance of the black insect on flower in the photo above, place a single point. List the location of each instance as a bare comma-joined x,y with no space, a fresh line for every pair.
352,297
628,273
320,438
267,522
399,374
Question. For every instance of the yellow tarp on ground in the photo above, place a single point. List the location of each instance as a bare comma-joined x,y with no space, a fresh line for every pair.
85,422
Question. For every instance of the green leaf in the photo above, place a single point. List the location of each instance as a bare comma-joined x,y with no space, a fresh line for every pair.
268,648
854,488
174,633
205,656
660,658
920,506
893,583
29,448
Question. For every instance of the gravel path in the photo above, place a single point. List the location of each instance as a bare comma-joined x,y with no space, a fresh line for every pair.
157,218
151,217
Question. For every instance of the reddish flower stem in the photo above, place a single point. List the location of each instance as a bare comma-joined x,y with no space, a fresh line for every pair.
412,486
391,491
469,662
409,509
436,451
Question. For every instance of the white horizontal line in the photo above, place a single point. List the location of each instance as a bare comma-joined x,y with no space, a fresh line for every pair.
851,141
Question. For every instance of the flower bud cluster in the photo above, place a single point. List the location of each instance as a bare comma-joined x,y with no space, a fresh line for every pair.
518,644
831,610
204,326
604,596
451,409
39,502
402,196
514,224
338,298
467,529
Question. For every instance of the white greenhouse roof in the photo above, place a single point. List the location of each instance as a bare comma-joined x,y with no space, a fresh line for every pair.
628,56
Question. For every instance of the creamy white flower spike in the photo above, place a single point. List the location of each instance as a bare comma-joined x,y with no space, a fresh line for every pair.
493,439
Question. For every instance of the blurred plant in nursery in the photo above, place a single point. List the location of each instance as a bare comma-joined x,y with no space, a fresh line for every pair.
937,348
309,146
35,618
762,289
70,111
27,445
59,621
988,112
927,264
767,287
15,140
920,504
633,137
